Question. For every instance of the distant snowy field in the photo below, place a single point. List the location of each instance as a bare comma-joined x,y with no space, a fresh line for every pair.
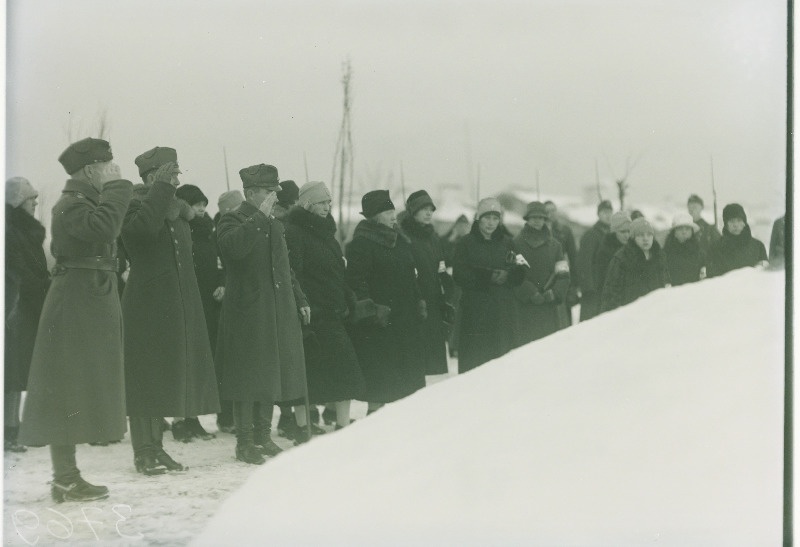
659,423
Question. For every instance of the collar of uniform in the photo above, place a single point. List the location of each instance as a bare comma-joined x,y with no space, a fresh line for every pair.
83,187
249,210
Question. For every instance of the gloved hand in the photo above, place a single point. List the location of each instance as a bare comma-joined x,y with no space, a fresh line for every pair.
422,309
549,296
538,299
364,309
168,173
499,277
382,315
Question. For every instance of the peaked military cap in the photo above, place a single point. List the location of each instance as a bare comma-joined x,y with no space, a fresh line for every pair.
155,158
85,152
265,176
374,202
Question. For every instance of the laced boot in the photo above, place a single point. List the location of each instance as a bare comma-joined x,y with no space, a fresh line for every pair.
146,464
77,490
246,451
193,424
166,460
262,438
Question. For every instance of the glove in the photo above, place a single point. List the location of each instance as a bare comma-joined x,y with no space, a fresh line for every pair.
168,173
422,309
549,296
364,309
382,315
499,277
538,299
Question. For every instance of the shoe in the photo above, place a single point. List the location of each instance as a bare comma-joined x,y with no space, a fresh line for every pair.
249,454
164,424
269,448
197,430
181,431
301,436
166,460
227,429
316,430
313,412
99,443
329,416
13,446
148,465
286,426
80,490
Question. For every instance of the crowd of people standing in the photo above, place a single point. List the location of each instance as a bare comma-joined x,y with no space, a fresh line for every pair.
262,305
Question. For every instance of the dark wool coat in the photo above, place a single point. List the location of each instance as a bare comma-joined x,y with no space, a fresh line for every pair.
488,327
169,370
260,344
602,258
732,252
707,236
590,290
76,388
317,260
630,276
208,270
380,266
538,319
776,243
433,282
27,280
684,260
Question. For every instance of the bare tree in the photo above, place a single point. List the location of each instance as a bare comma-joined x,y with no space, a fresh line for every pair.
622,182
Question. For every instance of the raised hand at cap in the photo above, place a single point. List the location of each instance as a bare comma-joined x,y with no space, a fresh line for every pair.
168,173
268,203
108,172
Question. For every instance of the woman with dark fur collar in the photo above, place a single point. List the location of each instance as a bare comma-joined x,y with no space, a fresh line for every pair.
638,268
737,248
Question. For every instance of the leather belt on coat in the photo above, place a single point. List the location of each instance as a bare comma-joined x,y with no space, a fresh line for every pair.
89,263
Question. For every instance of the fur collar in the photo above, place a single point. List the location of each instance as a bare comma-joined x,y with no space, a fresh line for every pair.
413,228
534,238
304,219
26,223
378,233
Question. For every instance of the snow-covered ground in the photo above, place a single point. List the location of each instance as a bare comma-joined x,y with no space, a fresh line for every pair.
658,423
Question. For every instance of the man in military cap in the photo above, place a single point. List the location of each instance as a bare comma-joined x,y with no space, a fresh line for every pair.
260,345
169,369
76,388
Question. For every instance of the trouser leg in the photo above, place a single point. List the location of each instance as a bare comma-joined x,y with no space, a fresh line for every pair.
11,408
65,468
144,438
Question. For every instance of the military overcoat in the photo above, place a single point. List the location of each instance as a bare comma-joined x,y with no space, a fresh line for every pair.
76,390
169,370
260,344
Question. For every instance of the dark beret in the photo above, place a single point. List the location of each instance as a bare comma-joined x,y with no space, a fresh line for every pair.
265,176
191,194
374,202
155,158
85,152
733,210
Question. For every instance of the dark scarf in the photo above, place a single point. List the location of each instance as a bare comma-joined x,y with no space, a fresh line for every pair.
636,256
26,224
730,242
378,233
534,237
415,229
324,227
672,244
202,227
500,233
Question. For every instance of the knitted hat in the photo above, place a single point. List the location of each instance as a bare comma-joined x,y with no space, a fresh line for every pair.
620,221
265,176
604,205
375,202
685,219
229,201
313,192
417,201
19,189
155,158
536,209
288,193
191,194
733,210
488,205
694,198
85,152
640,226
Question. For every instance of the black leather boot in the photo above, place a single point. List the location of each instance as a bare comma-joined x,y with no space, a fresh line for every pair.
246,451
77,490
166,460
181,431
197,430
146,464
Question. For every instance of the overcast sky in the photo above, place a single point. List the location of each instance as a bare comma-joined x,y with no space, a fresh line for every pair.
441,86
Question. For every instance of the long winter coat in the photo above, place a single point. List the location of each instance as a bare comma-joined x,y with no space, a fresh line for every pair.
602,258
684,260
27,280
208,270
169,370
538,318
630,276
590,290
76,388
732,252
317,260
433,281
260,344
380,266
488,327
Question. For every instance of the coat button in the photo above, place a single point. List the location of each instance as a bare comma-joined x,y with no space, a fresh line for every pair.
172,228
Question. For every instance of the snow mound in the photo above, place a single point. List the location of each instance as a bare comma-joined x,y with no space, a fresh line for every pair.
660,422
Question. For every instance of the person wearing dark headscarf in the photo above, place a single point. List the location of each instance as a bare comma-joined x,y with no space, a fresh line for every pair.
737,248
381,267
27,279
